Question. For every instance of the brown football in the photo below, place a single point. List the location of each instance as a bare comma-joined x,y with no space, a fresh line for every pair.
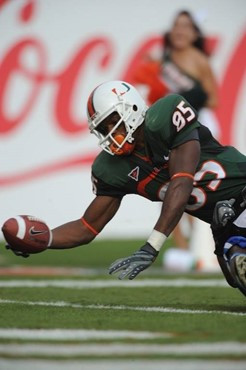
27,234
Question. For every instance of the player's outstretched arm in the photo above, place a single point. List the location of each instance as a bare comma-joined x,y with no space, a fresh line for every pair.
84,230
27,235
183,161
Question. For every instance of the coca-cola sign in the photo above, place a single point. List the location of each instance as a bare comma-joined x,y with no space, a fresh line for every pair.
47,69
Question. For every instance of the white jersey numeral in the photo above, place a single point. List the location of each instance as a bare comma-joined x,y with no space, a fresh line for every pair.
198,193
94,184
208,167
182,115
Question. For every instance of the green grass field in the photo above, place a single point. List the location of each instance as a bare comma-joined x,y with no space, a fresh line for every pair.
157,316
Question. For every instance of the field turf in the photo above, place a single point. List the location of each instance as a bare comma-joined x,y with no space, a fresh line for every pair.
63,305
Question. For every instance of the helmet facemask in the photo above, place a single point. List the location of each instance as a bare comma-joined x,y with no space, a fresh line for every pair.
113,142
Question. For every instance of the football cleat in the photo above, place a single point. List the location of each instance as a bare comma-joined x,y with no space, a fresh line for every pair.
237,263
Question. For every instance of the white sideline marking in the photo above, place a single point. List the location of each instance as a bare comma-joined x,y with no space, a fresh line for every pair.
93,284
78,334
64,350
138,364
122,307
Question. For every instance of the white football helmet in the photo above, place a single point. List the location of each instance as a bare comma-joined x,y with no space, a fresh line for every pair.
120,97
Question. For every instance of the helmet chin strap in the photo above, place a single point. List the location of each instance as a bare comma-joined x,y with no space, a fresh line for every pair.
126,149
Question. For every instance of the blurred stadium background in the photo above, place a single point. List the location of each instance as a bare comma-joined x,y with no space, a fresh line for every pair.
52,54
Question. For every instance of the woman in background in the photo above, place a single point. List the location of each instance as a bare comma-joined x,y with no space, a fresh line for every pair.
183,69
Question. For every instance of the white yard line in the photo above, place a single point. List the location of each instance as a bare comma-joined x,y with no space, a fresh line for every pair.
109,349
122,307
78,334
24,364
94,284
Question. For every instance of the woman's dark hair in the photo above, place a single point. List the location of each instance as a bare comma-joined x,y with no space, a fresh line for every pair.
198,43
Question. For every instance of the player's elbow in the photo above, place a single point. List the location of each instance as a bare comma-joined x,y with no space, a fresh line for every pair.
87,238
181,190
84,236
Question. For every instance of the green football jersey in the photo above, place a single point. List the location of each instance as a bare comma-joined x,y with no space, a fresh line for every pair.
171,121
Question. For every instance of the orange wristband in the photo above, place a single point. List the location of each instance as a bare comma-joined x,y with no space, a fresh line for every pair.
89,226
182,174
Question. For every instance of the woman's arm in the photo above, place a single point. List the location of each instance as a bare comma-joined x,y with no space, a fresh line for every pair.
209,84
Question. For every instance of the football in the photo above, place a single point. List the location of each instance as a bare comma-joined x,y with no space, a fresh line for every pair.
27,234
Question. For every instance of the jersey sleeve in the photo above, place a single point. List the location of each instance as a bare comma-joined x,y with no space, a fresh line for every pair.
171,120
99,187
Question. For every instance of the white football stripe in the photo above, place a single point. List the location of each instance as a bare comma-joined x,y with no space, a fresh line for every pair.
50,239
21,227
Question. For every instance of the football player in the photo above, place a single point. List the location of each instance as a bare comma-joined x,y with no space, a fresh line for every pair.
164,154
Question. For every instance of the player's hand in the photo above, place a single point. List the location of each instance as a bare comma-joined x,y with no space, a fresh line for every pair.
223,212
131,266
17,253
